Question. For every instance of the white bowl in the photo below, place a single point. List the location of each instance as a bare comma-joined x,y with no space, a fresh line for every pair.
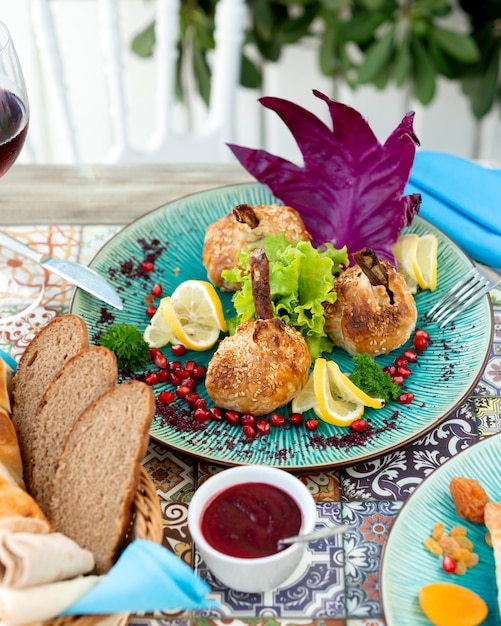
251,575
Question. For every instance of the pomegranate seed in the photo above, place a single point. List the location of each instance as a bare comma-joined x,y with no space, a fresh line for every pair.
202,415
154,352
166,397
151,378
178,349
189,366
296,419
183,373
391,370
161,361
216,413
410,355
175,379
200,403
174,366
147,266
232,417
311,424
403,371
191,398
406,398
199,372
420,343
151,310
156,290
277,419
248,419
422,333
400,361
188,382
448,564
263,427
182,391
398,380
249,431
163,376
358,425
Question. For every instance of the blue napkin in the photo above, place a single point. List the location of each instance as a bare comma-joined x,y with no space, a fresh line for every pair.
463,200
146,577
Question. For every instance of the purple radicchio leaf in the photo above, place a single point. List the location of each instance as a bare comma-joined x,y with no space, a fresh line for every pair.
350,189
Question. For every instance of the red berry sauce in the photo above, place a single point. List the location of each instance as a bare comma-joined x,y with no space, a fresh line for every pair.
247,520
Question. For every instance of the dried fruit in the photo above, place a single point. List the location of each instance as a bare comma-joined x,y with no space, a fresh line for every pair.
446,604
469,498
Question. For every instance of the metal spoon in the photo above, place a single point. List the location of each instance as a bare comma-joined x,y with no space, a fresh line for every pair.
316,534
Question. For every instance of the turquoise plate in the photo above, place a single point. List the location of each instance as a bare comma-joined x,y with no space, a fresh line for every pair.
441,380
407,565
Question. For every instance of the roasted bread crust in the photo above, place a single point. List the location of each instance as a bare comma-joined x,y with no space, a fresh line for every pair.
82,379
99,469
44,356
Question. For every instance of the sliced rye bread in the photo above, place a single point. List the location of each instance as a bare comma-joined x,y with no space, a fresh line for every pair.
82,379
52,346
98,472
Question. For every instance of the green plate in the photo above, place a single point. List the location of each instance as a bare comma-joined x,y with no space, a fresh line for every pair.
441,380
407,565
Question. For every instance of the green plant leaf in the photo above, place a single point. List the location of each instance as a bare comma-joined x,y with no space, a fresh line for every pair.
263,20
482,86
202,72
294,29
250,74
424,74
444,64
378,5
376,57
403,60
144,42
458,46
361,27
327,48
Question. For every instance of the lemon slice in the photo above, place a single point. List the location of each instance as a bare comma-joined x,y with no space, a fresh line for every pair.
189,331
331,407
405,251
426,256
158,333
305,400
348,390
197,300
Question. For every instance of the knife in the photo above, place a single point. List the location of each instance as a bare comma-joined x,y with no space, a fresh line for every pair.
76,274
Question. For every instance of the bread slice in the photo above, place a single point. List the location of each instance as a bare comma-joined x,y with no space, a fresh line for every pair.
98,471
492,516
44,356
82,379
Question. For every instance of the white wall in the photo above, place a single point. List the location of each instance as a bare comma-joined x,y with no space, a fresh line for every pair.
444,125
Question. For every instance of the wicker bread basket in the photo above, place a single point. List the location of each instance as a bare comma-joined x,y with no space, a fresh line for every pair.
146,524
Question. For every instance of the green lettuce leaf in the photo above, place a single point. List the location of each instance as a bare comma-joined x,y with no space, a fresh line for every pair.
301,279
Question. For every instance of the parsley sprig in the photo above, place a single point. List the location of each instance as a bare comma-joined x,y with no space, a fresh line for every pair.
369,376
127,342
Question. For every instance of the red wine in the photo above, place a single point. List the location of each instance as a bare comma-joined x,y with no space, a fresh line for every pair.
13,128
247,520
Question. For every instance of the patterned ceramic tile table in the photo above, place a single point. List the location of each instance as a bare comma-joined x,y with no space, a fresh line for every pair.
337,583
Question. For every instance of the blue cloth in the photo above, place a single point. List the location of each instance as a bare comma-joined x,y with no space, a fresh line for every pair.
463,199
146,577
9,360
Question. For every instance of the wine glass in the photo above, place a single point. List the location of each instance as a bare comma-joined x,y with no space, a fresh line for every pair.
21,281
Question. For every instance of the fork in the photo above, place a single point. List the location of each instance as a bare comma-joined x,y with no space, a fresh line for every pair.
476,283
